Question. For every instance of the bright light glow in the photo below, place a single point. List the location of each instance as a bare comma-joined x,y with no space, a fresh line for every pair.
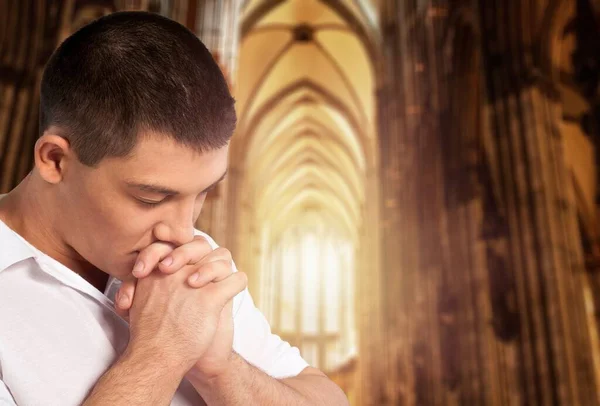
330,274
309,281
289,287
311,284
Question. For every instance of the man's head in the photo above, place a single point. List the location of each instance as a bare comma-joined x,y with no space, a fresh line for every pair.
134,111
129,73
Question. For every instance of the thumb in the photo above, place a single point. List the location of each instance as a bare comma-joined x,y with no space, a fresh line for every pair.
124,314
124,297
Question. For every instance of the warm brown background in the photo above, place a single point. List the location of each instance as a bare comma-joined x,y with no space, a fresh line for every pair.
413,187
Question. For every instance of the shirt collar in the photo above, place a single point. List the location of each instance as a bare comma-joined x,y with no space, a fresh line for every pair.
13,248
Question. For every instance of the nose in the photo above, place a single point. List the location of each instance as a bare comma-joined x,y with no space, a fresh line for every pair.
178,228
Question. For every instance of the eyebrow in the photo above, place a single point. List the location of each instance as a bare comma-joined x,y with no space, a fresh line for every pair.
163,190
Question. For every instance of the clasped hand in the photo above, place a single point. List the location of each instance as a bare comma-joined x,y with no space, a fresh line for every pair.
180,305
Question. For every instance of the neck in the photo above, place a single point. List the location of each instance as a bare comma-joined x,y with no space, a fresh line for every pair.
30,211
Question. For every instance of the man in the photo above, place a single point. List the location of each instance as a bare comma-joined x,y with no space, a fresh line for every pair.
135,122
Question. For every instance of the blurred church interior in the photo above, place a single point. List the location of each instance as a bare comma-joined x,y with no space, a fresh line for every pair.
413,184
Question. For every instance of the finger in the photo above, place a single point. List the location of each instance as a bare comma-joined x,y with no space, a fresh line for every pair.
124,297
121,312
229,287
214,271
149,257
217,254
185,254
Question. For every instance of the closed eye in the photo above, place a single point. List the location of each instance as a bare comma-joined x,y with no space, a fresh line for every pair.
154,203
149,203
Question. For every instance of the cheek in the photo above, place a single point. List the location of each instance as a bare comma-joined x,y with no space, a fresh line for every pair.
122,222
133,222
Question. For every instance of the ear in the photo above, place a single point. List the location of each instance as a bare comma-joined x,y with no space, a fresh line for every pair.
52,155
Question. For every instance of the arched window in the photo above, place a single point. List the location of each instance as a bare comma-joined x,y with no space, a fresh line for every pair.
307,293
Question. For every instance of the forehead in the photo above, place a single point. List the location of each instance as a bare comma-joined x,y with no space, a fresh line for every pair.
152,145
163,160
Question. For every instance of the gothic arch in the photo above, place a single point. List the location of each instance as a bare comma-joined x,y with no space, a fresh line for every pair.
305,153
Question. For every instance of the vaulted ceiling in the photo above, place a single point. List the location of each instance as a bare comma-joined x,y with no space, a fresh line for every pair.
306,108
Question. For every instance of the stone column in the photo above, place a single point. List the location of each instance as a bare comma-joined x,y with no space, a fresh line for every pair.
543,253
481,254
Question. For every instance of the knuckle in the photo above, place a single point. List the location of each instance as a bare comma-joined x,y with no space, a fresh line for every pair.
223,263
218,265
222,252
217,254
221,270
145,254
155,251
242,277
206,267
202,241
180,255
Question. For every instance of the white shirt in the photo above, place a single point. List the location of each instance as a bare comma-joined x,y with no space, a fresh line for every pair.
59,334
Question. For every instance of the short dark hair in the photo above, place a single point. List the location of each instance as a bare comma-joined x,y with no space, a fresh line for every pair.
131,72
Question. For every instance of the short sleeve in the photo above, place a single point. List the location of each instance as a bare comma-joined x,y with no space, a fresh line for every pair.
253,340
6,398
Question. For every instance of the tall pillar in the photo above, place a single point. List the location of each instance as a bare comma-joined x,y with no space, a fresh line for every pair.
367,309
482,285
543,250
389,375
